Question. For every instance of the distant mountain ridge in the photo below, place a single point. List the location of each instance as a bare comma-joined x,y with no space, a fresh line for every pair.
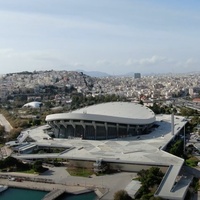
100,74
94,73
129,74
103,74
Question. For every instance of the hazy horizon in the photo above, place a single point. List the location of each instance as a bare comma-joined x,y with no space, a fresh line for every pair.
115,37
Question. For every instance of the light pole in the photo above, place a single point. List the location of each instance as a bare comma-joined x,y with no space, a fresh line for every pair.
184,140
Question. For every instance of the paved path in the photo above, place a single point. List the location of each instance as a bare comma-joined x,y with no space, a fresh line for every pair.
105,185
111,183
5,123
41,186
5,151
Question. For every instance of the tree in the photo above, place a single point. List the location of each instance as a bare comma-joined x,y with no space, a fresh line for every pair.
155,108
14,133
13,164
149,179
37,166
10,161
2,131
122,195
141,102
177,148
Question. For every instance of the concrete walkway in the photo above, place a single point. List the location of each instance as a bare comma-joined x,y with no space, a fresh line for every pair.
42,186
58,178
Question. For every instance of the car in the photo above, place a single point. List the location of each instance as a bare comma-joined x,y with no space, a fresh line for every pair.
11,179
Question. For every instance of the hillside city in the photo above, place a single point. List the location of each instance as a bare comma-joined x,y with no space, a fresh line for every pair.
57,85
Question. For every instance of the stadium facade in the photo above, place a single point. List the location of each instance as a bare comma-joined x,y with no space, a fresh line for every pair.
103,121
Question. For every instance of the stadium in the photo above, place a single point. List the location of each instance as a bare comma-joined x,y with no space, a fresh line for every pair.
103,121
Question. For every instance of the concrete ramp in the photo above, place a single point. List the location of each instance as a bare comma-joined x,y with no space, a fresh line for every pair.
22,137
53,194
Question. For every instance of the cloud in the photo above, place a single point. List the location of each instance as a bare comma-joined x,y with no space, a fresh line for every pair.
6,52
161,64
103,62
188,65
14,60
192,61
154,60
14,23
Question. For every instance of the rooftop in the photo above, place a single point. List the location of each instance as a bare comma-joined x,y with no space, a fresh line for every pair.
117,112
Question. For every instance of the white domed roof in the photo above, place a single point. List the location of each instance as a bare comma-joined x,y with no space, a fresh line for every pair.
114,112
34,104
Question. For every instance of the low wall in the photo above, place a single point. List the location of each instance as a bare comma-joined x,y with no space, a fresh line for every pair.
118,166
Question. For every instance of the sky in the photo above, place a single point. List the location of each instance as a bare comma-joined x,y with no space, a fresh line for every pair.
112,36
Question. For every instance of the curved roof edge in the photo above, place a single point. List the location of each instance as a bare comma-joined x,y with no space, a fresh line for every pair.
100,118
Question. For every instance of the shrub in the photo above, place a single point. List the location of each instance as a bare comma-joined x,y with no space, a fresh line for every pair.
121,195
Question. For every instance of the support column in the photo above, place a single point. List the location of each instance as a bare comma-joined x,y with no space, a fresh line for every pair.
106,128
172,123
65,125
57,127
95,129
73,125
184,140
137,129
83,125
117,130
128,128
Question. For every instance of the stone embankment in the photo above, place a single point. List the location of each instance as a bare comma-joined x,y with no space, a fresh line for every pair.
32,182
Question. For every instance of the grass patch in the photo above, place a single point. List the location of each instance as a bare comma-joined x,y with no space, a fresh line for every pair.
80,172
30,171
192,162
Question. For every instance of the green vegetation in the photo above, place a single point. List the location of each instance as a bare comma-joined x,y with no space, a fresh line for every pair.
49,150
191,126
187,112
195,184
121,195
30,171
176,148
149,179
16,115
37,166
79,101
13,165
158,108
84,172
55,161
192,161
2,134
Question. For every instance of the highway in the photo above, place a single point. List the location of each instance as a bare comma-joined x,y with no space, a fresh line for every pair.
189,104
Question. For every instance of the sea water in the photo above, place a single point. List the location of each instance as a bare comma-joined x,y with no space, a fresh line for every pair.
26,194
21,194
